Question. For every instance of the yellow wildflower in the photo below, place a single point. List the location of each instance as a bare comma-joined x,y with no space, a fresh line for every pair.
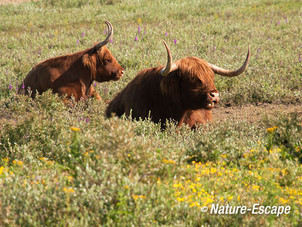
270,130
213,170
284,172
135,197
291,191
169,161
87,152
176,194
17,162
299,201
283,201
69,178
1,169
75,129
176,185
68,190
194,204
230,198
223,156
180,199
256,187
208,201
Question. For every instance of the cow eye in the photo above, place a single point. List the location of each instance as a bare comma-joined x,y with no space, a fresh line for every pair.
196,81
107,61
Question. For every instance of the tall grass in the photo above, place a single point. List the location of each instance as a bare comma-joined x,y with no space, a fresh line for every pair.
73,167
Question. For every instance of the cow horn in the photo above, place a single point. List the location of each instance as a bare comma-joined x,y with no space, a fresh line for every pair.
229,73
110,33
169,67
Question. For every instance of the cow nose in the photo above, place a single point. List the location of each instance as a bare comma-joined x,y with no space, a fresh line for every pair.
214,96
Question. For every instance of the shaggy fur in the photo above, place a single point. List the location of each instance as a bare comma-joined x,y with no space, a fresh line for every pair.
73,74
177,96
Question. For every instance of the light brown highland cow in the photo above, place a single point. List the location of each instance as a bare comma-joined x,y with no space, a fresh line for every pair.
73,74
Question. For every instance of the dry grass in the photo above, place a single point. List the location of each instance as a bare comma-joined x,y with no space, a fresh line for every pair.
13,1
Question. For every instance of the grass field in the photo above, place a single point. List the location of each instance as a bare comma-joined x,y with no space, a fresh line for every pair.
62,166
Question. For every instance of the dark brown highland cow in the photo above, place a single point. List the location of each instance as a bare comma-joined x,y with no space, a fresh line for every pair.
73,74
183,91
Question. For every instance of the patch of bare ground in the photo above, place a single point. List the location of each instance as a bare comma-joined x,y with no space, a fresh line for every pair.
248,113
2,2
251,113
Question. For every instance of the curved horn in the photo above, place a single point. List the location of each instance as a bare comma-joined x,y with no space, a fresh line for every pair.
110,33
229,73
169,67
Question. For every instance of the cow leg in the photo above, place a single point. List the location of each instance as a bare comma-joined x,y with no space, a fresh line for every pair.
196,118
93,93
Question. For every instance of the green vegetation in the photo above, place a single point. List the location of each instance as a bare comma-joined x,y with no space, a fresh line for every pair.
72,166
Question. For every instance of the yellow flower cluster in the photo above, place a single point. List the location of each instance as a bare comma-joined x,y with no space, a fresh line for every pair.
5,170
135,197
68,190
69,178
46,161
214,182
192,193
275,151
88,152
17,162
270,130
283,201
1,169
292,194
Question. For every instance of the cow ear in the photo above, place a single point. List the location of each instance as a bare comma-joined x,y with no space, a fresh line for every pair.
86,59
90,62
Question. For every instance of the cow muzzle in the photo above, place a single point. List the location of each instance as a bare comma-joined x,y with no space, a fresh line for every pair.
118,74
213,98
